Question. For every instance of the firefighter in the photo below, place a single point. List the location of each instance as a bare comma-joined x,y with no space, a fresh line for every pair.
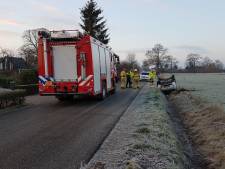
123,78
151,77
136,79
129,83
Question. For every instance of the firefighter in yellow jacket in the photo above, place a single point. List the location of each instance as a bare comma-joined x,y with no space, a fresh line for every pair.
123,79
152,76
136,78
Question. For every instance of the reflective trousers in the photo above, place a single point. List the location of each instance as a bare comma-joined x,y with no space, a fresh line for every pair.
123,82
135,83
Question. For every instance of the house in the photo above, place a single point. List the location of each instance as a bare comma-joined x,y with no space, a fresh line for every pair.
12,63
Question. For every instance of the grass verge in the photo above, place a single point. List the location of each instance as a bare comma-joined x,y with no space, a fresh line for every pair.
10,98
206,127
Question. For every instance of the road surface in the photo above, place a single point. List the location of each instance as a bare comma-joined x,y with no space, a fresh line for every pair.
48,134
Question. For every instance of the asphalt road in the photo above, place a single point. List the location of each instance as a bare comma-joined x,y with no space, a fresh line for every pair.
48,134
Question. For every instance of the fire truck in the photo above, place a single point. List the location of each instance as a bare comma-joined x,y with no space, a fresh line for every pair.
70,63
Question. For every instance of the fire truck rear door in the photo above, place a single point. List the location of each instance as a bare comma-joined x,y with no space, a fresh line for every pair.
64,63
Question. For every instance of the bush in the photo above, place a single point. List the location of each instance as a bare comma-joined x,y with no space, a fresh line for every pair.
10,98
6,78
27,76
26,79
5,81
29,89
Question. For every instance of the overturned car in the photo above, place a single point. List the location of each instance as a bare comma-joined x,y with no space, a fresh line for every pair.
167,84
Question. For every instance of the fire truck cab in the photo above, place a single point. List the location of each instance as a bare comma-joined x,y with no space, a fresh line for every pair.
72,64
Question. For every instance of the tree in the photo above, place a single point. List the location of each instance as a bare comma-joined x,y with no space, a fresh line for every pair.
130,63
219,65
6,53
126,65
208,65
170,63
156,56
93,23
145,65
131,59
206,62
192,61
29,50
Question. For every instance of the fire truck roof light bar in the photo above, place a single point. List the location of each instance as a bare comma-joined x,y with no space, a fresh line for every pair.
60,34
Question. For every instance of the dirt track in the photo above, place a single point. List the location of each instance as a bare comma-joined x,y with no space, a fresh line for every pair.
49,134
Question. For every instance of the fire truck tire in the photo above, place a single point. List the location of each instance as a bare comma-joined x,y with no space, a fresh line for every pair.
113,91
64,97
114,88
103,94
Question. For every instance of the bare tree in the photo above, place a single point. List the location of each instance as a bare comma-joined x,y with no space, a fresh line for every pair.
206,62
208,65
170,63
130,63
156,56
29,50
145,65
219,65
125,64
31,39
192,61
6,53
131,59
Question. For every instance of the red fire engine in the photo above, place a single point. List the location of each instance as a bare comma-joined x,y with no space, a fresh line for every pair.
72,64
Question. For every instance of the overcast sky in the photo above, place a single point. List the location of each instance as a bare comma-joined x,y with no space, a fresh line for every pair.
183,26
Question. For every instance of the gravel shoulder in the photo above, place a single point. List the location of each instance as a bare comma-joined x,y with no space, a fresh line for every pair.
143,138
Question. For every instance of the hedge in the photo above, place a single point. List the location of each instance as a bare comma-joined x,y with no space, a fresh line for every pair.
29,89
9,98
26,79
5,81
27,76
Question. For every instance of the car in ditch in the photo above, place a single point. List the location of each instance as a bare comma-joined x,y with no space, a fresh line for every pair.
167,84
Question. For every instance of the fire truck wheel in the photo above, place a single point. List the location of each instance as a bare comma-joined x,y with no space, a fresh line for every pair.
113,91
103,95
64,97
114,88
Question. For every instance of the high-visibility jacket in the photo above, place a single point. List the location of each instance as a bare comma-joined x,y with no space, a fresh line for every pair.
123,74
152,75
131,74
128,75
136,76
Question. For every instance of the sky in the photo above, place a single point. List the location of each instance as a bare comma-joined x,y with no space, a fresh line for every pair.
182,26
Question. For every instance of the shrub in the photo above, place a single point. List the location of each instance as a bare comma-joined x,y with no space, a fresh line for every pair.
27,76
29,89
26,79
10,98
4,82
6,77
